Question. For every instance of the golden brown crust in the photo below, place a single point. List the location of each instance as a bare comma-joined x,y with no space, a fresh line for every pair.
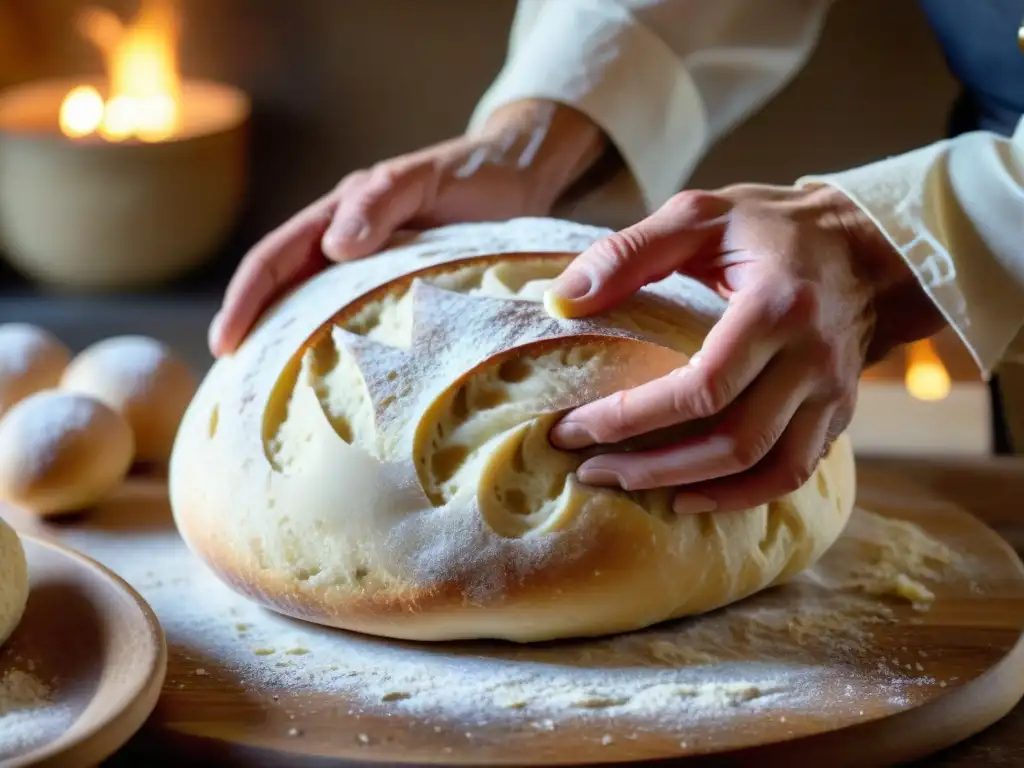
345,533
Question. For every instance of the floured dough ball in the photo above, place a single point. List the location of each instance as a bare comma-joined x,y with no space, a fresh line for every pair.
31,359
62,452
13,581
142,379
376,454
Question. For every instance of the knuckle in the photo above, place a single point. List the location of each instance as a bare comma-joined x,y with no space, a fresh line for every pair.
829,365
804,304
798,473
352,181
746,452
699,396
383,176
617,250
694,204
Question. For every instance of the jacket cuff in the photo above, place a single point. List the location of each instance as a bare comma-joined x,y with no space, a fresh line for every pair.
595,57
949,210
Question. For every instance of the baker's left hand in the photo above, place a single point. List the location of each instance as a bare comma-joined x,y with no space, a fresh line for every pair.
814,292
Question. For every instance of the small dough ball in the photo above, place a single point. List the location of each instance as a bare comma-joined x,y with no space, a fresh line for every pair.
62,451
143,380
13,581
31,359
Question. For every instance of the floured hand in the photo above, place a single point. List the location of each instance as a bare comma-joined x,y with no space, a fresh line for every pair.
814,291
528,153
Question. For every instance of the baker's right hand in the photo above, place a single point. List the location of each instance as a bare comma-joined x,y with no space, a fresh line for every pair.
525,157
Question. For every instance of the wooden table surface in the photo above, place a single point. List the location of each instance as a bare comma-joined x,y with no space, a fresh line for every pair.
990,488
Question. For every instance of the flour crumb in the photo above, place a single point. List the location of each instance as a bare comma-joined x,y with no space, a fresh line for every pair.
607,739
21,690
812,644
363,738
294,732
29,717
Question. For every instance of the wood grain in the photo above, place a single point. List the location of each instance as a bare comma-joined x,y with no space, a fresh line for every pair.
89,632
972,637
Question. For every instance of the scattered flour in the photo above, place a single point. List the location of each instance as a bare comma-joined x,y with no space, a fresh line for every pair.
28,716
811,647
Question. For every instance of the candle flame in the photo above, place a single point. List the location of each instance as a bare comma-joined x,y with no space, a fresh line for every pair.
926,377
143,80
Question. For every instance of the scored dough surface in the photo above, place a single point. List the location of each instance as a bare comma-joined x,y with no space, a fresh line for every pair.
375,456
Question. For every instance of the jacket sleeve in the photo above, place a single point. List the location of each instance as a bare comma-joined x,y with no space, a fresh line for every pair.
663,78
955,211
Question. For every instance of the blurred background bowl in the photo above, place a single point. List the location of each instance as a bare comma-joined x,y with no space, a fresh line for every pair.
90,214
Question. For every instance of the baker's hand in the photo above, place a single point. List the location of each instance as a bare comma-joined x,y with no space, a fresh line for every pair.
814,292
526,156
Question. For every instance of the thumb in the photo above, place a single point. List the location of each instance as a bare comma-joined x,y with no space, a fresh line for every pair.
617,266
372,206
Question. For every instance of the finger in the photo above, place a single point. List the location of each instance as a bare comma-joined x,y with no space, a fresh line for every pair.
374,204
749,431
617,266
786,468
285,257
734,354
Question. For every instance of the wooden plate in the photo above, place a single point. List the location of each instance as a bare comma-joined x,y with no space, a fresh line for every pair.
99,650
917,682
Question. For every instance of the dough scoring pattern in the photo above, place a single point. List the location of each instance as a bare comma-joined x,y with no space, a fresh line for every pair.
375,456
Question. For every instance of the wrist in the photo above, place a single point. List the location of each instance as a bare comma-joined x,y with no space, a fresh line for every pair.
552,145
902,310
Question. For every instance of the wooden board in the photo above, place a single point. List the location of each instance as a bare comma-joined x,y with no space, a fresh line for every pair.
893,682
96,646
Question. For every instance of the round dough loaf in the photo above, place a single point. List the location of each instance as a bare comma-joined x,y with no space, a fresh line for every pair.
142,379
375,456
62,452
31,359
13,581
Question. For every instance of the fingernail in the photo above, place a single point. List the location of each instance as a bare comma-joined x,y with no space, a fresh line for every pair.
346,231
598,476
570,436
693,504
572,285
213,334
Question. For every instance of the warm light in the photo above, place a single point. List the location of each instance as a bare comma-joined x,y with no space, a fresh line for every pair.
82,111
143,82
926,377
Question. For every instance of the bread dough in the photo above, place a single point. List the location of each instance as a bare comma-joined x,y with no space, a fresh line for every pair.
62,452
13,581
31,359
142,379
375,456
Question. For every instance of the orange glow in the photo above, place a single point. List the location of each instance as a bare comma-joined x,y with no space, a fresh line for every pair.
143,80
926,377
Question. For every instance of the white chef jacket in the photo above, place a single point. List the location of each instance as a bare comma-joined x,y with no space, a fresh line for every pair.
666,78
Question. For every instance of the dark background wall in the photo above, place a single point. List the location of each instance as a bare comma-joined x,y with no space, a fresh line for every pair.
338,84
